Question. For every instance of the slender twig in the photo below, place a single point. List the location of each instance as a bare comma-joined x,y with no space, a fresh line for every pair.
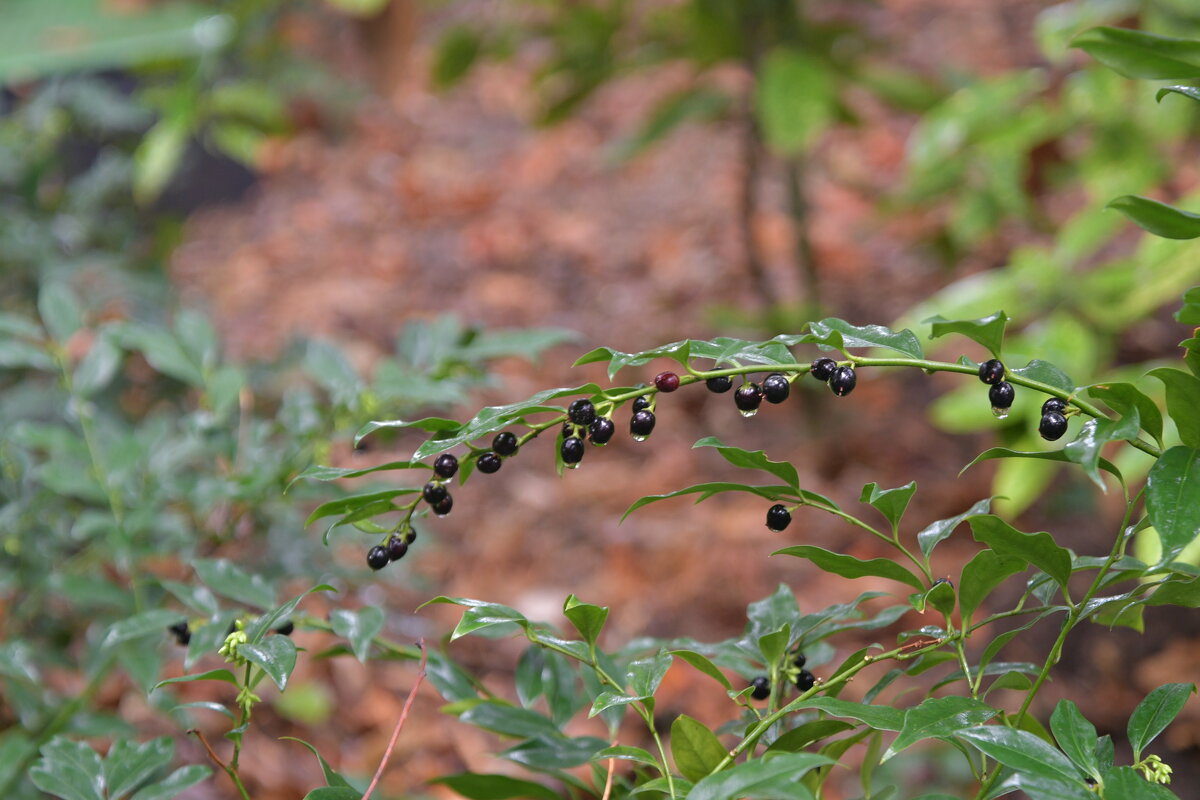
387,754
608,782
227,769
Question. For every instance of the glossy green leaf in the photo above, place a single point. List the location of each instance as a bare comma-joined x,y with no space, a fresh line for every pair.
697,750
752,460
205,705
275,655
707,490
500,717
892,503
986,570
347,505
320,473
358,627
882,718
1125,398
1187,91
794,101
773,777
229,580
1173,499
644,675
627,753
1038,549
803,735
478,786
139,625
839,334
987,331
334,793
617,360
1042,455
1138,54
265,624
1154,714
705,665
1085,448
70,770
1047,373
939,718
555,751
210,675
1021,751
937,531
1158,218
128,765
1126,783
1040,787
59,310
174,784
851,567
480,614
1183,400
1075,736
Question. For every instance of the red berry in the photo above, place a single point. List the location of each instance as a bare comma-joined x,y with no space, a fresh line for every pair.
666,381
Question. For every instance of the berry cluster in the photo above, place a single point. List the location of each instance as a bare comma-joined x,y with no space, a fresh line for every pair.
802,678
1002,393
1054,421
842,380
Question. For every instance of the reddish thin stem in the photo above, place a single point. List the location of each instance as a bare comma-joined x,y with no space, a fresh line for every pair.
387,754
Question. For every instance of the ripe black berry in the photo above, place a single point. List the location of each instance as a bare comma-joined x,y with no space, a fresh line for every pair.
1001,394
505,443
572,450
991,371
778,517
397,546
776,388
442,507
762,688
602,429
748,397
581,412
182,634
800,660
805,680
434,493
286,628
641,424
641,403
1054,404
1052,426
666,381
489,463
377,557
445,465
842,381
822,369
720,384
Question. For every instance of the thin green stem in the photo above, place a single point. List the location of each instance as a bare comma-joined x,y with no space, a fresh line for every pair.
648,716
891,540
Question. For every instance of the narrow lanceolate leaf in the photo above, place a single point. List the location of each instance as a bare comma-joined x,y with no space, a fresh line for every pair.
139,625
320,473
1021,751
1137,54
707,490
1076,736
1037,549
882,718
347,505
211,675
1155,713
752,460
1085,449
1173,499
1158,218
1124,398
1128,784
230,580
479,614
774,777
1186,91
937,531
477,786
1047,373
839,334
705,665
70,770
851,567
1183,400
174,784
987,331
939,718
275,655
1041,455
696,750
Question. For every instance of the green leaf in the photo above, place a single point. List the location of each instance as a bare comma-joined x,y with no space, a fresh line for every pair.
348,505
1125,398
1187,91
500,717
645,674
702,663
1075,736
211,675
1020,750
334,793
98,367
264,624
358,627
139,625
795,100
587,619
59,311
479,614
803,735
128,765
773,777
883,718
695,103
851,567
555,752
627,753
1047,373
1183,402
161,349
892,503
1137,54
1085,448
752,460
1173,499
70,770
320,473
478,786
707,490
987,331
983,573
937,531
1125,783
1037,549
1158,218
617,360
1041,455
939,718
229,580
1154,714
1039,787
275,655
839,334
174,784
697,750
456,51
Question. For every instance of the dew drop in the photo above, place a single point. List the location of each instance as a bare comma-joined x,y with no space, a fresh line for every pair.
999,413
572,466
640,438
748,413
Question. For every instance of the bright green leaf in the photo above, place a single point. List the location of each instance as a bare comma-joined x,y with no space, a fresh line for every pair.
939,718
937,531
1154,714
1137,54
697,750
839,334
1173,499
1038,549
987,331
1158,218
1021,751
275,655
851,567
1075,736
890,502
587,619
358,627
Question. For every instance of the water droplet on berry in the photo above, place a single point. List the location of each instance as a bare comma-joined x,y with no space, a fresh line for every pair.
572,466
1000,413
748,412
637,438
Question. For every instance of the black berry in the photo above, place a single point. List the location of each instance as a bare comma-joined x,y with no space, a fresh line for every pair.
489,463
602,429
991,371
182,634
377,557
568,430
1052,426
397,546
805,680
776,388
572,450
445,465
1054,404
778,517
762,688
642,424
720,384
800,660
641,403
434,493
505,443
443,506
822,369
842,381
748,397
286,628
581,412
666,381
1001,394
